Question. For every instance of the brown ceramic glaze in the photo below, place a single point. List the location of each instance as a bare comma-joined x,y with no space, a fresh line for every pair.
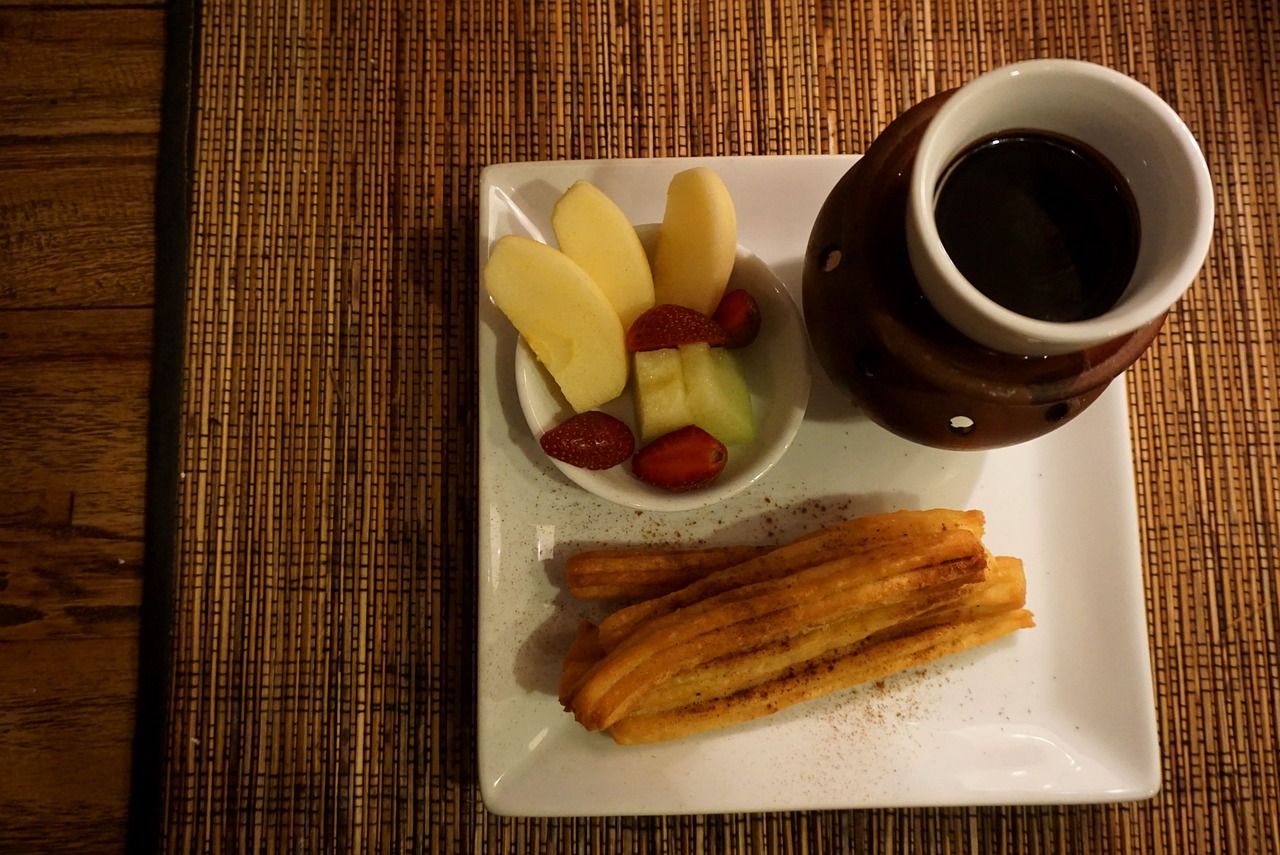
878,337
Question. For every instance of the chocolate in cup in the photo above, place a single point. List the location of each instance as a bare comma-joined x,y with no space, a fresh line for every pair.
878,337
904,365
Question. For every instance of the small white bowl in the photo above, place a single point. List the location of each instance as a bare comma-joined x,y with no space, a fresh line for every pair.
777,369
1122,120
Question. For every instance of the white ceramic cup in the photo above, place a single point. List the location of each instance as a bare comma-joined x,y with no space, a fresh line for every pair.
1122,120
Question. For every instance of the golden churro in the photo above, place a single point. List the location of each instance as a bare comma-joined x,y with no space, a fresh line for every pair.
757,630
603,574
760,612
822,676
849,538
1003,590
582,655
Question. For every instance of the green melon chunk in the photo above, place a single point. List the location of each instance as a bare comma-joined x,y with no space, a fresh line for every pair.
716,393
661,402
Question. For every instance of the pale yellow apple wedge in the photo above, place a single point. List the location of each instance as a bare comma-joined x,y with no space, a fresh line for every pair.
563,315
592,230
697,242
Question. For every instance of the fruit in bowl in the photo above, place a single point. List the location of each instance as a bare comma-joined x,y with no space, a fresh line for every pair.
563,315
595,233
716,369
698,242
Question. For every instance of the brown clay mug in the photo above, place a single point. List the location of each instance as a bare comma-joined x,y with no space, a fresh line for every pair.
927,353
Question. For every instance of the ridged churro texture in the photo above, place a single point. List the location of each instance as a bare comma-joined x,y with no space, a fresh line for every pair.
750,631
604,574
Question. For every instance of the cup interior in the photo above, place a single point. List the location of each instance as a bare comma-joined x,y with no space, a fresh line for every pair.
1120,119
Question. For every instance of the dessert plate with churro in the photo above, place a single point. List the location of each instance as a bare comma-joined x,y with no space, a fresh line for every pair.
867,622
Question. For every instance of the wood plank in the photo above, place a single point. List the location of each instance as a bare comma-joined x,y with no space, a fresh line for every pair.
76,4
72,433
107,336
73,437
109,71
62,582
79,121
77,222
73,399
66,727
34,510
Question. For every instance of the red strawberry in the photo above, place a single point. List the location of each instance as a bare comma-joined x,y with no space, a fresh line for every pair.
590,440
685,459
739,316
669,325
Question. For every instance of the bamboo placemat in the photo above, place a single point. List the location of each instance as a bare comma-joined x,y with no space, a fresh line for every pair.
321,634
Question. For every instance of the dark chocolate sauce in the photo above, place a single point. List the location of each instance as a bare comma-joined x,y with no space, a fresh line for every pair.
1040,223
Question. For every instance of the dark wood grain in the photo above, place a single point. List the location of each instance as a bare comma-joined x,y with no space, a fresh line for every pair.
74,385
77,215
66,726
80,88
80,71
76,4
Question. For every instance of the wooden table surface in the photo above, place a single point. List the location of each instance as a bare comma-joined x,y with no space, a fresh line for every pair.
80,93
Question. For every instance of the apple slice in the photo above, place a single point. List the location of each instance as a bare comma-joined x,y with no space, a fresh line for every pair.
563,315
661,405
717,394
697,241
594,232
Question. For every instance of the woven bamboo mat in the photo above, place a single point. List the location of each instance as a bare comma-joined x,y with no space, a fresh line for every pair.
321,680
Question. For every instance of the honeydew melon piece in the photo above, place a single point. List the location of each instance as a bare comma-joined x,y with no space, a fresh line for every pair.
561,312
717,394
697,241
661,403
592,230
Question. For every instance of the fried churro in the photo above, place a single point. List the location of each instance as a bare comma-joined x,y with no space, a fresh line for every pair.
603,574
849,539
756,631
1002,590
840,669
584,652
758,613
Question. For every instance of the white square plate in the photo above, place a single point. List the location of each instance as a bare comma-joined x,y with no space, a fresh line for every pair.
1060,713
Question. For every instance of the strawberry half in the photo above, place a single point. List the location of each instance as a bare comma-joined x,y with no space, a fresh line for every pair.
685,459
669,325
590,440
739,316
